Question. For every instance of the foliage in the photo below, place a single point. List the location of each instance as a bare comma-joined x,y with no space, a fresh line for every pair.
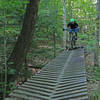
97,78
97,73
49,21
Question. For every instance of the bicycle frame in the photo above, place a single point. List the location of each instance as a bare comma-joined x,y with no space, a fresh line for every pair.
72,39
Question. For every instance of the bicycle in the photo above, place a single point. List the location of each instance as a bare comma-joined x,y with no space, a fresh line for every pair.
72,36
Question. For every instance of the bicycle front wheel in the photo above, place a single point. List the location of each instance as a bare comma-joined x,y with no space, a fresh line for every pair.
73,42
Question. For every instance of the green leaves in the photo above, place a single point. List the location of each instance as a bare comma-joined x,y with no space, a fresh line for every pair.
11,84
12,71
3,83
97,73
10,63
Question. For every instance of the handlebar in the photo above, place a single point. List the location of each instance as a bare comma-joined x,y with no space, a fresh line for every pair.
72,29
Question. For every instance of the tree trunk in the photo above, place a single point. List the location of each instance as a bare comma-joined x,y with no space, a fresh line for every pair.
96,52
24,41
64,21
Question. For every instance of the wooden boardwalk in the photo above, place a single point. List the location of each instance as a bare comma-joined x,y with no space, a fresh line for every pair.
64,78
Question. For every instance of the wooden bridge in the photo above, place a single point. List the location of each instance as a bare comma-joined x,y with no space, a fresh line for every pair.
64,78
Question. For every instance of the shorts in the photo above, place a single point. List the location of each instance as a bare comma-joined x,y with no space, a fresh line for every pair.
75,30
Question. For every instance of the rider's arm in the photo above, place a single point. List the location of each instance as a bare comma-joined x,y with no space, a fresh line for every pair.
68,25
76,24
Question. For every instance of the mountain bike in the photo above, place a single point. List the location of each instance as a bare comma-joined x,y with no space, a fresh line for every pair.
72,37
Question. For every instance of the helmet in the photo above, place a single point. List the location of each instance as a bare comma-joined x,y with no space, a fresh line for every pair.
72,20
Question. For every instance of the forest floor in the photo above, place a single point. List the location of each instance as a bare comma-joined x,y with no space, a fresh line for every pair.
93,77
93,74
41,54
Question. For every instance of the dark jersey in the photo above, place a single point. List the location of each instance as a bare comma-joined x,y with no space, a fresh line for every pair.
72,25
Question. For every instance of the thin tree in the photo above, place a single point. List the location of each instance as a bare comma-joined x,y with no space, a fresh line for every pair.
64,21
96,53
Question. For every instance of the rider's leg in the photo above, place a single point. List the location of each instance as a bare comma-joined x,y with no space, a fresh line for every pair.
76,35
70,33
76,31
70,36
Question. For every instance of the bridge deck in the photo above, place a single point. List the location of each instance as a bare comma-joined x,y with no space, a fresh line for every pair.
64,78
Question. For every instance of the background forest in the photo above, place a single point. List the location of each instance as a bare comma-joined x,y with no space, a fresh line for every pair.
48,38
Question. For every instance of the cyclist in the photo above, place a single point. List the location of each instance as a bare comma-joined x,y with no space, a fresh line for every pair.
73,27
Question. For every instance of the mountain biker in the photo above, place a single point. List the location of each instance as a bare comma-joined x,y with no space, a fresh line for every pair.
73,27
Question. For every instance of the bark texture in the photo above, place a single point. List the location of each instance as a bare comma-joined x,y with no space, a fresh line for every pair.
24,41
